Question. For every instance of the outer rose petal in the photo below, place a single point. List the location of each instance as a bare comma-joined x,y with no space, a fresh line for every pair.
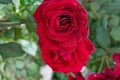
44,41
116,71
70,62
95,76
116,57
100,76
37,14
91,77
89,46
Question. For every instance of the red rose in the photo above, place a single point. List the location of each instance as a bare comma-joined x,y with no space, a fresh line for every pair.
78,76
108,74
63,36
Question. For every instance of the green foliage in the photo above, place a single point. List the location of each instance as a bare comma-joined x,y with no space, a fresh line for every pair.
5,1
105,32
11,50
115,33
102,37
59,76
17,37
20,68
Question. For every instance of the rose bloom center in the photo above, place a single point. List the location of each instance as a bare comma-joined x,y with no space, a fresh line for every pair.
64,21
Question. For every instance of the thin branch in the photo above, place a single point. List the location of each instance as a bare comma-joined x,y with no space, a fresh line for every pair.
101,65
2,24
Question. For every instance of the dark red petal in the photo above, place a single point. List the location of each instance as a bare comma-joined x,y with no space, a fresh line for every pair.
116,57
44,39
38,12
89,45
78,76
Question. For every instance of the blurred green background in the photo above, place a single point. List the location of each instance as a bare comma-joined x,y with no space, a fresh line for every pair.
19,53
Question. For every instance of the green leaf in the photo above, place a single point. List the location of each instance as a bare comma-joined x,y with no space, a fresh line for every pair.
95,6
18,33
111,8
99,52
11,49
12,18
102,37
59,76
5,11
114,50
33,68
19,64
22,2
115,33
9,34
100,1
91,15
105,21
24,73
114,21
30,27
30,18
5,1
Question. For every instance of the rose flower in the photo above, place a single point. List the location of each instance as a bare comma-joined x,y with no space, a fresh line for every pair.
63,34
108,74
